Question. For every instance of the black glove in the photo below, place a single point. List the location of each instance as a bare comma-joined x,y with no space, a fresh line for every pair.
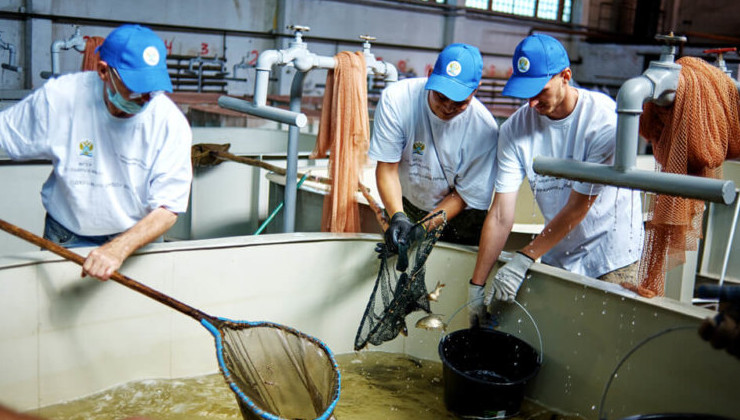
398,231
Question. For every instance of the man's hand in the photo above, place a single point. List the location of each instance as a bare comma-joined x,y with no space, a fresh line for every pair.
477,312
509,278
102,262
397,231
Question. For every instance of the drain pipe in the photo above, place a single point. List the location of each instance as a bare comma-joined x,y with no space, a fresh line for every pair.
657,84
11,59
76,41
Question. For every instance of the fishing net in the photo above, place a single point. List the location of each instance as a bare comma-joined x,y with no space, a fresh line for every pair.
400,288
693,136
277,372
344,132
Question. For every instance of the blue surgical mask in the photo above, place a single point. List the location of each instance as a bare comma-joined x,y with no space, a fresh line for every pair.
118,101
123,104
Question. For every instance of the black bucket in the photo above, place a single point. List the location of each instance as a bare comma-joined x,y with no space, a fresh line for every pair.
485,372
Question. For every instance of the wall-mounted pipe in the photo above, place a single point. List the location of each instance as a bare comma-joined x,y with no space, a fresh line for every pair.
10,65
657,84
76,41
297,56
268,112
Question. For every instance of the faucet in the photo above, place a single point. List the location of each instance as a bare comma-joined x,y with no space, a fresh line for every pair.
380,68
76,41
11,59
657,84
298,56
240,65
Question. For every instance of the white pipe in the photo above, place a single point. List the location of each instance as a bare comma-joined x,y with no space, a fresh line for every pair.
269,112
657,84
76,41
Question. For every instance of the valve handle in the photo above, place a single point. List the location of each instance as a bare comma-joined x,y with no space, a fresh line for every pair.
299,28
671,39
720,50
368,38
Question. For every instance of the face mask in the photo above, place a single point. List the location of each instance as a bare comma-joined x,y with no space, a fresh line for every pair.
118,101
123,104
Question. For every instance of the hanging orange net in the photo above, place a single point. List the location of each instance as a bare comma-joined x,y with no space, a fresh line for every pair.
344,132
693,136
90,58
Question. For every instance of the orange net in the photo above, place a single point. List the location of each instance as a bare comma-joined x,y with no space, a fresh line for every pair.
90,58
344,133
693,136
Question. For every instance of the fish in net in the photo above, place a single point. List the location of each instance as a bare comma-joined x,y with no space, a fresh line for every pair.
400,288
276,372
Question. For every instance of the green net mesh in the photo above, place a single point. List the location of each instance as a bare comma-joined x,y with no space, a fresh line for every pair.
400,288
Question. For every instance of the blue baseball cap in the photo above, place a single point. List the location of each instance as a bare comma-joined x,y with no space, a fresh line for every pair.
139,57
536,60
457,72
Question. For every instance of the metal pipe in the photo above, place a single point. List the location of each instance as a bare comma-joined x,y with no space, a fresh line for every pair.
657,84
11,59
269,112
715,190
630,99
291,168
76,41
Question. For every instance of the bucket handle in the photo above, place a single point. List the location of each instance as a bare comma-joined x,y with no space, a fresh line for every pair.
539,335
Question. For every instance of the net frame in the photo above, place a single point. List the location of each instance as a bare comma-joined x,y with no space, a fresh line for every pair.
217,327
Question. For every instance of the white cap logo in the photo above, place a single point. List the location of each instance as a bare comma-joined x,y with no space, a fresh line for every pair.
453,68
151,55
523,64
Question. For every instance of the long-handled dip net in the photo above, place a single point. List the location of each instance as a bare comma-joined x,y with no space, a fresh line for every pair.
399,288
276,372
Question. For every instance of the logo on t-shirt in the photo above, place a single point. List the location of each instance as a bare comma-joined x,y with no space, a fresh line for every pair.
86,148
419,147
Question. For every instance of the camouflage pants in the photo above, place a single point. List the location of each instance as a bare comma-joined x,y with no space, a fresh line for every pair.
464,229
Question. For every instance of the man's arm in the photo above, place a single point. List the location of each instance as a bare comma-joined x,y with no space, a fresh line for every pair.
106,259
568,217
452,205
389,186
496,229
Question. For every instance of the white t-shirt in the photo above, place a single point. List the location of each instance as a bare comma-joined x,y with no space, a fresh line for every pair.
407,131
611,234
108,172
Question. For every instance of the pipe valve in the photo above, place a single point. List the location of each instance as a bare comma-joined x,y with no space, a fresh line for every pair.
298,31
720,58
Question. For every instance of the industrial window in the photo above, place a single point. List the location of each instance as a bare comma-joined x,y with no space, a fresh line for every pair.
558,10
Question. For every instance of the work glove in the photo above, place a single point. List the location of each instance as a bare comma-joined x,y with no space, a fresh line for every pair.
397,231
415,234
477,312
509,278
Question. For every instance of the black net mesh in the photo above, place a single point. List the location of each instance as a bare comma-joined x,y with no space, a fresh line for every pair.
277,372
399,289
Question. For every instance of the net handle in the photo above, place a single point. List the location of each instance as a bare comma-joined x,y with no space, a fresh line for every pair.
116,276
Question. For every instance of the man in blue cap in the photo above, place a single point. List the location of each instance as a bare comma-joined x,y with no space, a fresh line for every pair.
120,150
590,229
435,147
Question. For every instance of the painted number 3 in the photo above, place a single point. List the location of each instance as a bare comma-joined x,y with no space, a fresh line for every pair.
203,48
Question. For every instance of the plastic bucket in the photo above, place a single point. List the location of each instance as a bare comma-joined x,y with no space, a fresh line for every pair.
485,372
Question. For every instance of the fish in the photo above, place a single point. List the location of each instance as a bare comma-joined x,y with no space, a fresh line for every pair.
431,322
434,295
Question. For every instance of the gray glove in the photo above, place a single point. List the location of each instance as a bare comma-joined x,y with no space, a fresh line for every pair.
477,312
509,278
